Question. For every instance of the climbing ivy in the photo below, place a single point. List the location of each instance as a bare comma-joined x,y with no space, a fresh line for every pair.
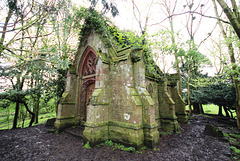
112,36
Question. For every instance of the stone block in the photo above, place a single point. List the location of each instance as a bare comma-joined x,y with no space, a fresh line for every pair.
212,131
95,135
151,137
65,116
127,136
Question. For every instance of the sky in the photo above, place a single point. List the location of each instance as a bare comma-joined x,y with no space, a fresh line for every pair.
157,20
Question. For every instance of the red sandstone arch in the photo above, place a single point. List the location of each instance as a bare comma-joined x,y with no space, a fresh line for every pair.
87,73
87,63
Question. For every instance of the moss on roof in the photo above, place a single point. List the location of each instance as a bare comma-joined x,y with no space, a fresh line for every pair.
121,43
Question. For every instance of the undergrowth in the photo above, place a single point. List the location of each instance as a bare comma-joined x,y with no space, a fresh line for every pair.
117,146
234,141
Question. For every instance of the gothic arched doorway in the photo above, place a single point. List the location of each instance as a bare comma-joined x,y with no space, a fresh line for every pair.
87,73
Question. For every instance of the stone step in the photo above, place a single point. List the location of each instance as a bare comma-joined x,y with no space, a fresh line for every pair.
76,131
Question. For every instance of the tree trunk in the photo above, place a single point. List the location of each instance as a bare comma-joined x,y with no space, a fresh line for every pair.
189,92
201,108
10,12
30,112
232,16
37,101
236,83
220,111
197,108
235,22
226,111
175,55
16,116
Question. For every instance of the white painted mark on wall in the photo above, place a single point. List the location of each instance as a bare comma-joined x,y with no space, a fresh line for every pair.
126,116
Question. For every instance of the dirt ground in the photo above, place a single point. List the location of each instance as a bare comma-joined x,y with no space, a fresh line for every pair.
190,144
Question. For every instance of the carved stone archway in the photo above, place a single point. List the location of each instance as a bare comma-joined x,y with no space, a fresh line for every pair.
87,72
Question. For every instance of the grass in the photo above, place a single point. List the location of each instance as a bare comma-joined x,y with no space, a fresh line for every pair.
7,115
213,109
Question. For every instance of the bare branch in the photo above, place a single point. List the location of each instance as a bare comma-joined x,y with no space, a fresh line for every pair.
209,34
178,14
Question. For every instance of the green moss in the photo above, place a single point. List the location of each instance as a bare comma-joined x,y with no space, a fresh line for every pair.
136,55
97,124
95,135
61,124
133,92
72,69
137,100
125,136
64,95
150,100
125,125
96,92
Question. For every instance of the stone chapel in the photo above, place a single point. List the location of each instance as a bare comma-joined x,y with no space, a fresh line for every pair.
112,93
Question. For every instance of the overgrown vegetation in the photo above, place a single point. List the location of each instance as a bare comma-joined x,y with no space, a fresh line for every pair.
46,111
117,146
234,141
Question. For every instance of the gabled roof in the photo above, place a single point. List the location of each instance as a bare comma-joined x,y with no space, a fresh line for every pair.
118,43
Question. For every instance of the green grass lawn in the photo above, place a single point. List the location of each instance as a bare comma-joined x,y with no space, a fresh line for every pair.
213,109
6,122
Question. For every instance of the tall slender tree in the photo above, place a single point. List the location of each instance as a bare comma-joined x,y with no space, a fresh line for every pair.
234,18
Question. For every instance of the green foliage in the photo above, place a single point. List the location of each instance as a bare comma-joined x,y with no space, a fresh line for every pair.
216,90
4,103
7,115
111,35
162,42
118,146
152,69
123,148
235,150
87,146
164,133
109,143
56,131
235,136
107,6
114,37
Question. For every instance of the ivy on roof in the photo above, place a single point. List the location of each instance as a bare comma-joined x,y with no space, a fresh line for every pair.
108,32
118,39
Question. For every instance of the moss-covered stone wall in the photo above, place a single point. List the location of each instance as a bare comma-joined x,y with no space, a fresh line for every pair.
126,106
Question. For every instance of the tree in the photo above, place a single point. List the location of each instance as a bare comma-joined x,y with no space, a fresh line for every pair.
193,56
43,36
16,94
22,47
234,18
24,16
218,90
170,7
232,14
107,6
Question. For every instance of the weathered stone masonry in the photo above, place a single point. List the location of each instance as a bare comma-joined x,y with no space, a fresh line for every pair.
108,91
